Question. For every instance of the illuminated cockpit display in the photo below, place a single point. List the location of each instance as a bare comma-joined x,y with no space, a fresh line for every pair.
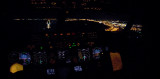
25,56
96,52
40,57
84,54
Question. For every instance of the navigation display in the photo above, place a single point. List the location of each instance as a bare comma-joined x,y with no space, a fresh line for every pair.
84,54
40,57
25,56
96,52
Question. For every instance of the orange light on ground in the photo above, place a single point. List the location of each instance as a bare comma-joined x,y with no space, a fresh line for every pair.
116,61
115,29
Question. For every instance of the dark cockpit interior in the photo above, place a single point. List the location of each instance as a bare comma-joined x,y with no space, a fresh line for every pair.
75,39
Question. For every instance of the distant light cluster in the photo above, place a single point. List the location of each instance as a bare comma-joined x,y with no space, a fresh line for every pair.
113,25
137,27
92,8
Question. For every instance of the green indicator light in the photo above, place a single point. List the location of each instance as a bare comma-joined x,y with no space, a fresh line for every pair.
70,47
40,61
41,47
73,43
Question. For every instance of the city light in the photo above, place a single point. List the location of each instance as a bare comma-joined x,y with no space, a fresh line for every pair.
136,27
114,26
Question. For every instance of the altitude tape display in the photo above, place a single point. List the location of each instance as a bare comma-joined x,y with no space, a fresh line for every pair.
84,54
